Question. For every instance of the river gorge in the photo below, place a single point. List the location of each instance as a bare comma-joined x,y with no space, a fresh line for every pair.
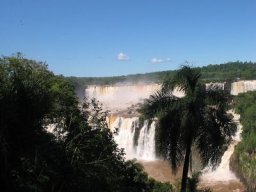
138,138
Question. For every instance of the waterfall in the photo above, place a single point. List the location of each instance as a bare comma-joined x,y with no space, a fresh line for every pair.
120,97
242,87
223,172
146,142
137,142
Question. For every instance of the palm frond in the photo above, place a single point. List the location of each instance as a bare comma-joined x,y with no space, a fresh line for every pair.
217,97
158,102
168,138
215,135
184,80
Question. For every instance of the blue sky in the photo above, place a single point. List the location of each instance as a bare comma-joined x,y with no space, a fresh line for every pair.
118,37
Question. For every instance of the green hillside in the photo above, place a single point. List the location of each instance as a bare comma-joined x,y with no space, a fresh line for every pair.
216,72
244,158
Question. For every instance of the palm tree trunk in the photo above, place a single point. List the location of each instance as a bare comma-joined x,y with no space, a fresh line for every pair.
185,168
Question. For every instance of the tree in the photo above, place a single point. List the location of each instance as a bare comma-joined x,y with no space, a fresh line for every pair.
81,155
243,161
86,158
30,158
199,118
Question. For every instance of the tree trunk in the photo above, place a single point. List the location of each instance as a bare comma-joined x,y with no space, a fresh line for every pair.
185,168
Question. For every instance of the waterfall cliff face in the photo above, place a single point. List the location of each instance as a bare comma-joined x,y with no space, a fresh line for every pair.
137,140
242,87
120,97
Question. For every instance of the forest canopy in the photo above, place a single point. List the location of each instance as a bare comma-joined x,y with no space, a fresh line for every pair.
213,72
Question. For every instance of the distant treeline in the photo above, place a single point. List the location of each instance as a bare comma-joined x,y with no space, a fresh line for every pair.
229,71
146,77
218,72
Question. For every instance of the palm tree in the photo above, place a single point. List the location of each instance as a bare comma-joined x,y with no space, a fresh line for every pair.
199,118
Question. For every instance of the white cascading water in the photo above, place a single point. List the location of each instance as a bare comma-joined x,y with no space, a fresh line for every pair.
146,142
223,173
145,148
118,98
243,86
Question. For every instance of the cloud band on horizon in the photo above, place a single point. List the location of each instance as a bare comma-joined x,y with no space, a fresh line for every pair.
156,60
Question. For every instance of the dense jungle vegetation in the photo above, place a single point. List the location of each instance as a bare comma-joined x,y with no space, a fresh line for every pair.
81,155
244,159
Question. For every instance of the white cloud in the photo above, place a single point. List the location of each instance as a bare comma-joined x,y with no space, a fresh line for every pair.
122,57
156,60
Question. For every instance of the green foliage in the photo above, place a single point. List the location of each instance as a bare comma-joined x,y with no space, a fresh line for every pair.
26,99
221,72
192,184
80,154
147,77
245,152
229,71
163,187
